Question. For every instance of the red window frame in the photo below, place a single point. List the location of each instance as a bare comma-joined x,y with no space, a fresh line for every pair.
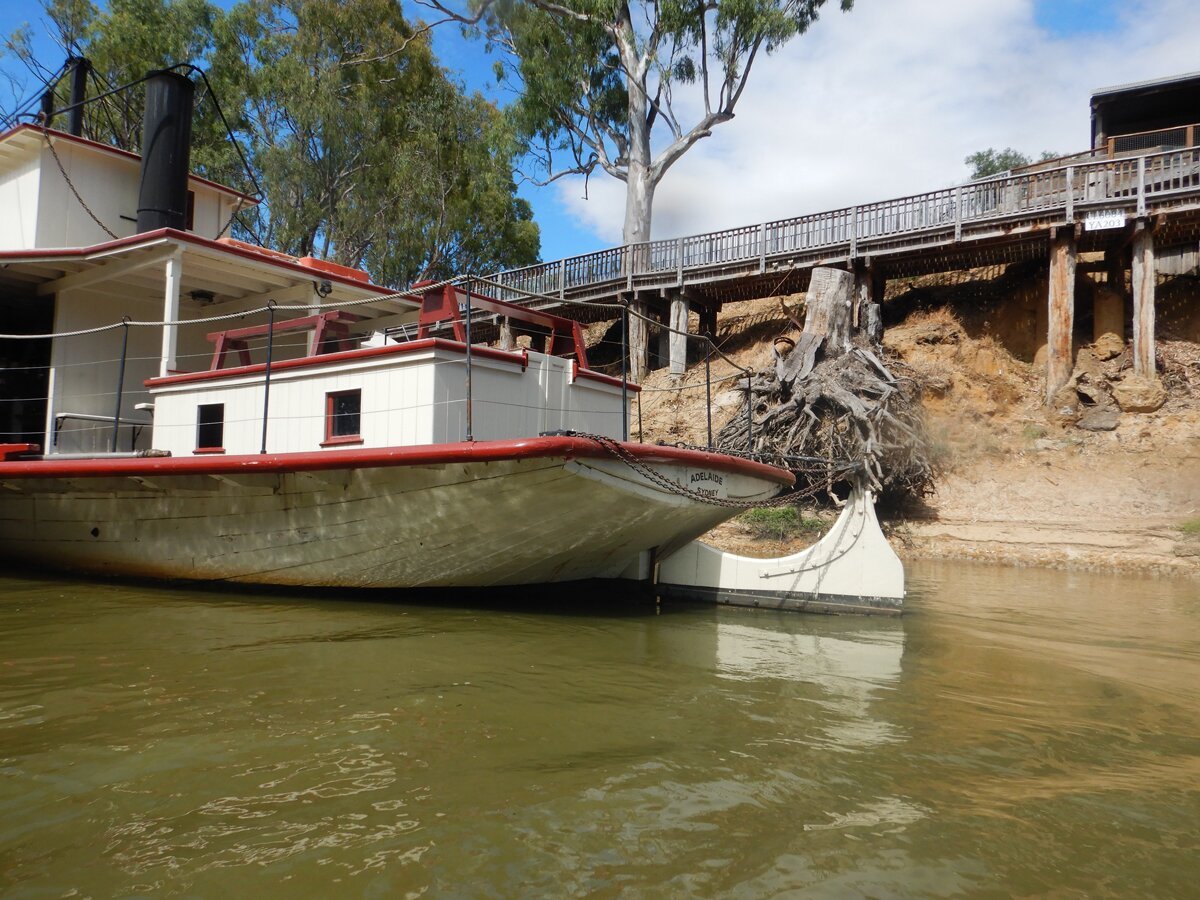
332,439
201,425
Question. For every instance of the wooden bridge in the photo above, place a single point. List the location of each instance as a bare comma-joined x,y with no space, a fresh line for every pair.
1088,205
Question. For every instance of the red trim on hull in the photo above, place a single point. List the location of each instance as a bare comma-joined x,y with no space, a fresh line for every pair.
430,454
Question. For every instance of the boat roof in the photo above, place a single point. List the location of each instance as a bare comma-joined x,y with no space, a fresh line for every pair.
233,272
25,138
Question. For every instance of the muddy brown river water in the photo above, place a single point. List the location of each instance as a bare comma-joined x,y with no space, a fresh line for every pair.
1017,733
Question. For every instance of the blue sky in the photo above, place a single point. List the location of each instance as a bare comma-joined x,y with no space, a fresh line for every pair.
880,102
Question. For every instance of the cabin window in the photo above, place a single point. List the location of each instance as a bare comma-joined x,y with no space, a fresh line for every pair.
210,428
343,417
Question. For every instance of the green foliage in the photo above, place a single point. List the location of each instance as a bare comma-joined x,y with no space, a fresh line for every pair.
1191,527
368,154
598,81
989,162
779,522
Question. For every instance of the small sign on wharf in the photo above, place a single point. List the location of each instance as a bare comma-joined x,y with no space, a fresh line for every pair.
1101,219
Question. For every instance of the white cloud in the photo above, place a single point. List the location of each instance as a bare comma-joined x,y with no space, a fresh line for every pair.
887,100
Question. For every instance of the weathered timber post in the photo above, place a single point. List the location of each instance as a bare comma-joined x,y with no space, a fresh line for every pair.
639,340
1061,309
1114,268
867,314
1143,300
663,349
507,340
678,336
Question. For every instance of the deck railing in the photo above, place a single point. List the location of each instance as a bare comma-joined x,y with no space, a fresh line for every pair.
1135,185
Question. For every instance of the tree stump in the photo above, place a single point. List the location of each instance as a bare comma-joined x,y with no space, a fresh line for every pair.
831,406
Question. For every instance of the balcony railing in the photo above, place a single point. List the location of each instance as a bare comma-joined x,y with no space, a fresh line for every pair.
1133,185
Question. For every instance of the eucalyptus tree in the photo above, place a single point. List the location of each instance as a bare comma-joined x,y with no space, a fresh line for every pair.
366,151
627,86
989,162
369,154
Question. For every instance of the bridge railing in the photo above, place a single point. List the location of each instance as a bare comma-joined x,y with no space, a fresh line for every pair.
1127,183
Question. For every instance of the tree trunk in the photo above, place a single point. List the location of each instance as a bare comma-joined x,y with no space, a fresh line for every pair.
638,202
639,194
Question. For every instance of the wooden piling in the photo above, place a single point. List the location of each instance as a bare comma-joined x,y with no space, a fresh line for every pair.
869,285
1143,301
678,340
639,340
1061,312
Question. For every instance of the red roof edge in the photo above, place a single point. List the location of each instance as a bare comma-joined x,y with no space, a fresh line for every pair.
271,257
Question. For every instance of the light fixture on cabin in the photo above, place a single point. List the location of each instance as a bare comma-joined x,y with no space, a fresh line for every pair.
202,296
324,288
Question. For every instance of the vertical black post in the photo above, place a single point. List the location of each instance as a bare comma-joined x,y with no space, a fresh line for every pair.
467,323
120,381
267,371
749,416
80,68
47,108
625,372
639,417
708,386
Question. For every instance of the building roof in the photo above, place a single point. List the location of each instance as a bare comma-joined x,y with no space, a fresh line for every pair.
1170,81
228,271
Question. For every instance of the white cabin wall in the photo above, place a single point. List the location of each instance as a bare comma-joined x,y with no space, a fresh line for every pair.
42,212
19,188
86,367
104,183
408,399
210,211
595,408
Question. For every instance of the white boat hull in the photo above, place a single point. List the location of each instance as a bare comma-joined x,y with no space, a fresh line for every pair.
526,519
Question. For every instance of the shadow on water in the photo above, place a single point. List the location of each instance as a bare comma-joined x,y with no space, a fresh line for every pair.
583,598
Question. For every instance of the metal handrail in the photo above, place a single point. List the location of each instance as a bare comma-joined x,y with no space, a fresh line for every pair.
1129,183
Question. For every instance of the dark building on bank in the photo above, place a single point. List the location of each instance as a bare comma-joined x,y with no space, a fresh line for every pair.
1147,116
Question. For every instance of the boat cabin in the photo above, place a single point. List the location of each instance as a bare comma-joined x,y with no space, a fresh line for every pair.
178,339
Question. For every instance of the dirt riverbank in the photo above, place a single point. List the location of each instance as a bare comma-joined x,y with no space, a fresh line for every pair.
1079,484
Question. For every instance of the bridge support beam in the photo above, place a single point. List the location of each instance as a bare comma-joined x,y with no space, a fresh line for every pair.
677,337
869,286
1143,301
1061,312
639,340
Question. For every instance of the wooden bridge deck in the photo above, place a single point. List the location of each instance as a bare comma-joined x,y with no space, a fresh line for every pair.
994,220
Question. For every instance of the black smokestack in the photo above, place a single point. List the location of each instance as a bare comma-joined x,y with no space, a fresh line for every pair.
80,67
166,146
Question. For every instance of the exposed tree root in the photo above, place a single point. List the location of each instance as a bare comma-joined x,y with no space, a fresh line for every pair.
832,406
